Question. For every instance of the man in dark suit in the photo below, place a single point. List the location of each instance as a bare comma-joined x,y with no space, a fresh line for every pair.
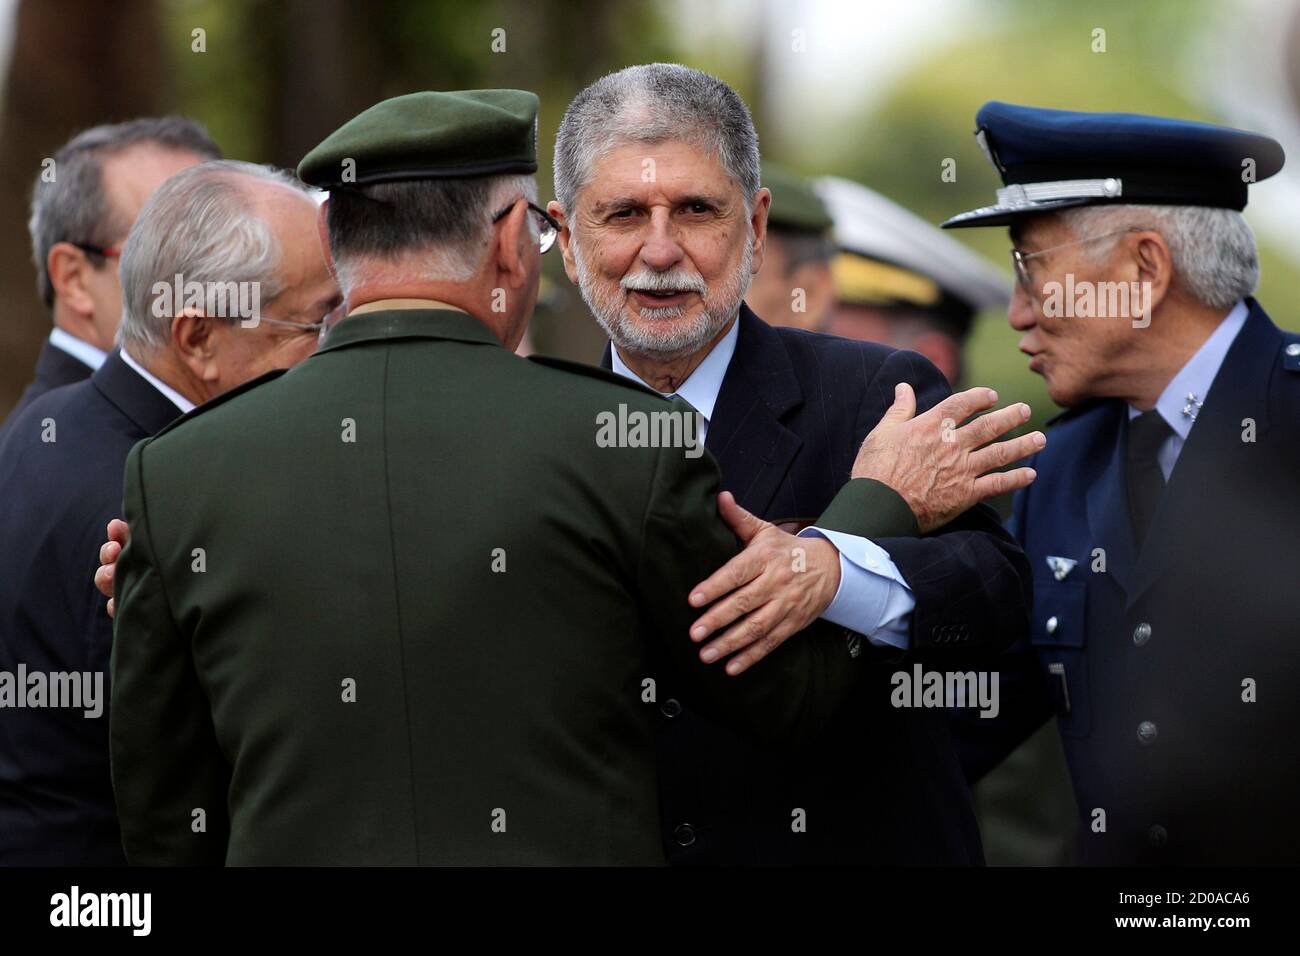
658,188
472,677
61,463
1162,530
83,205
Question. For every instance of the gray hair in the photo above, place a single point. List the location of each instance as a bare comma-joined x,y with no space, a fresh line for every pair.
656,103
434,230
200,225
75,207
1213,250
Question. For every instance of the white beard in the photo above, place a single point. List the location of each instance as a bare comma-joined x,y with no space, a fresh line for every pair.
609,304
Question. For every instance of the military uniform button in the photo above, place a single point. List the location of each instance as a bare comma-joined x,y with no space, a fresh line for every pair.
1146,732
1293,349
1141,633
671,707
1052,624
684,834
1157,835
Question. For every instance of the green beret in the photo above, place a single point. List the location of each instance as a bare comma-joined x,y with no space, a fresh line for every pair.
794,204
429,136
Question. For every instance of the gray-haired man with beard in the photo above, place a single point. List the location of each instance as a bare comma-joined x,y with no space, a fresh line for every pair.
664,222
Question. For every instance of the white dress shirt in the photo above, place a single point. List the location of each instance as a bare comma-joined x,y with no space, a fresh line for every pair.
872,599
83,352
1194,378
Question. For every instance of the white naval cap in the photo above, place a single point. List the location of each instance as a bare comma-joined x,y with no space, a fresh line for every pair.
869,225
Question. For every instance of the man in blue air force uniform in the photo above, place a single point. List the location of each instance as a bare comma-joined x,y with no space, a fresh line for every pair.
1162,529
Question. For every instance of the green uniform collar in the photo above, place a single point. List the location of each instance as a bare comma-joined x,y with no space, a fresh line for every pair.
408,324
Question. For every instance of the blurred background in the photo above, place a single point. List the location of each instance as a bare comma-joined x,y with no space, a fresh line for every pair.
876,91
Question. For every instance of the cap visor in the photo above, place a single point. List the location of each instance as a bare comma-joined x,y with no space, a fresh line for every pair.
1005,215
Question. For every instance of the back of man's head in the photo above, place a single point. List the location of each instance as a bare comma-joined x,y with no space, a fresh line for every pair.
417,231
200,225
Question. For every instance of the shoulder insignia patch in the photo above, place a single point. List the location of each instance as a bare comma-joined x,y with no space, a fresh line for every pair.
592,371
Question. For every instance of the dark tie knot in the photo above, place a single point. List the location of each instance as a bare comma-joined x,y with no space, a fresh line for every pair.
1146,434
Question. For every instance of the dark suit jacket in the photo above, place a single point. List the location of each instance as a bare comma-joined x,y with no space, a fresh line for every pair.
54,367
881,784
1142,656
494,587
56,497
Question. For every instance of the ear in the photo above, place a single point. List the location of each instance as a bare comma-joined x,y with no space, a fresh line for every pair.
565,239
68,269
194,338
758,220
323,232
512,238
1155,264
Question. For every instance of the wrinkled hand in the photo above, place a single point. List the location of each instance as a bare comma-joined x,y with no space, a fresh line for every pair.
118,533
776,587
939,468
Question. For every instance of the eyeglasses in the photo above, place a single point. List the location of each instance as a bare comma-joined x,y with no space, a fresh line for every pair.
105,252
321,328
1019,259
547,227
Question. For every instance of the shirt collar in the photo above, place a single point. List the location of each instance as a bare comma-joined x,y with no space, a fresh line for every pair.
387,305
176,398
83,352
702,386
1196,377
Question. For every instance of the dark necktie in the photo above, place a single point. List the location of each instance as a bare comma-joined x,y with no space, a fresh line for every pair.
1146,433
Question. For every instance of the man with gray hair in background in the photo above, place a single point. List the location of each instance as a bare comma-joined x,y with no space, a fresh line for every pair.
83,204
225,233
664,222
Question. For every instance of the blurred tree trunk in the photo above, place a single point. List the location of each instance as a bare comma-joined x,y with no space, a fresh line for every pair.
328,66
75,63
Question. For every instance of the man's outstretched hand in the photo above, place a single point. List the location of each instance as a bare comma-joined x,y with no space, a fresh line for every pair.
941,467
776,587
118,533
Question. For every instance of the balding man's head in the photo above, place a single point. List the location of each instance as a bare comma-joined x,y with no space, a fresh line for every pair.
223,276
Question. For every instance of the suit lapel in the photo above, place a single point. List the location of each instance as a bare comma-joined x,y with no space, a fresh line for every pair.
148,408
1204,469
55,367
1107,502
752,447
746,436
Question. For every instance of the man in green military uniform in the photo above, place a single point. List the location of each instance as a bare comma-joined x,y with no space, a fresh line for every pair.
407,603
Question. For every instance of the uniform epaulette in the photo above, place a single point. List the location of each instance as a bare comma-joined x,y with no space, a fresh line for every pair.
1065,414
223,398
592,371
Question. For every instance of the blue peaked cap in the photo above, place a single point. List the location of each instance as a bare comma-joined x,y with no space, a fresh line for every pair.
1055,159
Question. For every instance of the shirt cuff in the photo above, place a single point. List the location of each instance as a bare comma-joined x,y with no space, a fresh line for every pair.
872,599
